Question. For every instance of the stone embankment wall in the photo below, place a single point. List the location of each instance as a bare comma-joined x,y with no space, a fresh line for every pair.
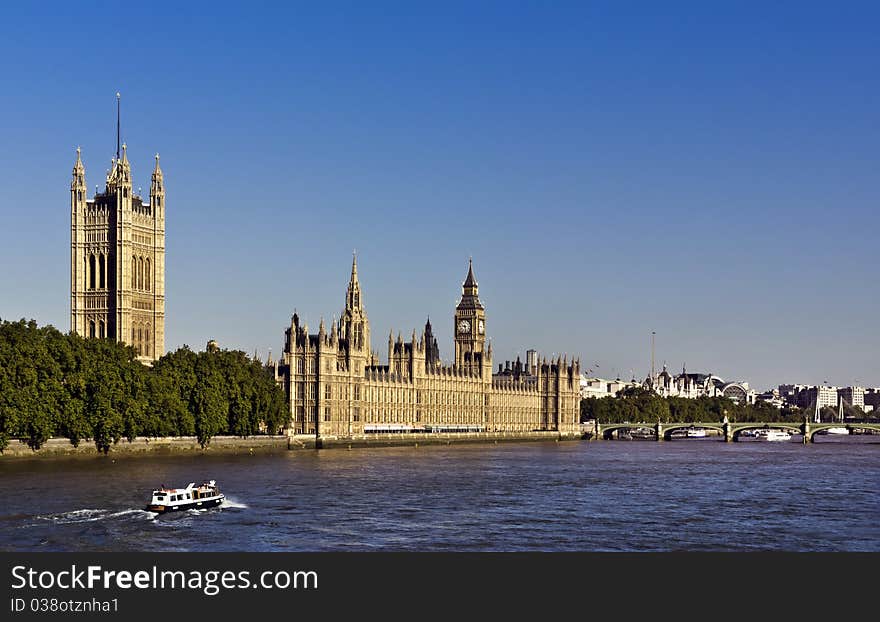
61,447
397,440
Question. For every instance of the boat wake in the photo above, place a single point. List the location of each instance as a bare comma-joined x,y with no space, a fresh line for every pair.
232,503
92,515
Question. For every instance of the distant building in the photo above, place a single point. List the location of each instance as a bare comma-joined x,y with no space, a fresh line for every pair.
871,398
788,393
772,397
599,387
531,361
805,396
854,396
694,385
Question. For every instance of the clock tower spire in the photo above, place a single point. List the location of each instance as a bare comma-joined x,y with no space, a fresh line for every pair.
470,324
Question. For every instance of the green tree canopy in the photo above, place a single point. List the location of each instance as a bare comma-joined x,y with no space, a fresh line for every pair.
52,384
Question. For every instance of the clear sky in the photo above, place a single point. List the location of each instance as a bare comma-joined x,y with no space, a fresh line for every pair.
708,171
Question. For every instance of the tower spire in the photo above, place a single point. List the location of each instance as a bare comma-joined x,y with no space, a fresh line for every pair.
78,168
470,281
117,124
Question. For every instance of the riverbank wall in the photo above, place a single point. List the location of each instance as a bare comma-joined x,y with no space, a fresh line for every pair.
142,446
415,440
61,447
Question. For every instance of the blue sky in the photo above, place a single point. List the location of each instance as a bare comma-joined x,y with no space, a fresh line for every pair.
704,170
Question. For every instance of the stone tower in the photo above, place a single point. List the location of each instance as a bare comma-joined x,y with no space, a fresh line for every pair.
117,259
432,350
470,325
354,325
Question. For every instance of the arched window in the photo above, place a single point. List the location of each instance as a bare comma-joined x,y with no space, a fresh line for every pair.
102,329
102,269
92,329
132,342
147,345
134,263
147,278
140,341
91,273
140,273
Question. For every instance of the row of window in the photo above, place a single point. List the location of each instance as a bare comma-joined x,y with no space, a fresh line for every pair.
140,339
386,416
307,391
140,336
97,329
141,273
96,271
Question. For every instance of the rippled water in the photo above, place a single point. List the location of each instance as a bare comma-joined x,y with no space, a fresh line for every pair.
697,494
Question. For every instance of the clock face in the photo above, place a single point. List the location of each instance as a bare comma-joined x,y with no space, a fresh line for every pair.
481,327
464,326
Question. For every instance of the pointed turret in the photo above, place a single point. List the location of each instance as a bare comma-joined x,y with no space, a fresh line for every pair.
353,324
353,295
78,181
470,281
78,165
157,190
120,174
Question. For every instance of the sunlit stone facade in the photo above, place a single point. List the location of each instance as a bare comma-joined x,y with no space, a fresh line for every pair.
337,388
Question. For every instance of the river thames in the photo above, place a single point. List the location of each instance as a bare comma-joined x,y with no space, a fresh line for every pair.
689,495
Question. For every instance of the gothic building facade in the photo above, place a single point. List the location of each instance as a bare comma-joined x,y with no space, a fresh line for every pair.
117,259
336,387
692,386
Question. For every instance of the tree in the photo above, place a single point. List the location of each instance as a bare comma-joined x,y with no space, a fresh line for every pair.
55,384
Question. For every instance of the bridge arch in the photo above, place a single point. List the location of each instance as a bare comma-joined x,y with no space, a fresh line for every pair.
737,428
669,428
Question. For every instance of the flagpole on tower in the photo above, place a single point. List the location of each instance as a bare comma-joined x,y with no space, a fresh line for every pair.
117,125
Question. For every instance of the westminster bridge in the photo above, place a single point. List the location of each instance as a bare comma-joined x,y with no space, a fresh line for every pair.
729,430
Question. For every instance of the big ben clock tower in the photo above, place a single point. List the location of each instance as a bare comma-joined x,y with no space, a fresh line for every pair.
470,324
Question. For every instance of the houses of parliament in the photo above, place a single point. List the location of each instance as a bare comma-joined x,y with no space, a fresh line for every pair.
333,380
336,387
117,258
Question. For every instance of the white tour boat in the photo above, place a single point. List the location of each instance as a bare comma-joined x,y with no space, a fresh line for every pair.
834,430
694,432
773,435
207,495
